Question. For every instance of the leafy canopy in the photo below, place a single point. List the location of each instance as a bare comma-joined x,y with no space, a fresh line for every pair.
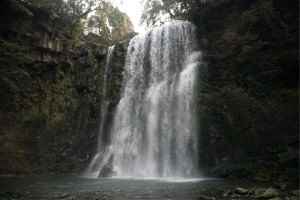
159,11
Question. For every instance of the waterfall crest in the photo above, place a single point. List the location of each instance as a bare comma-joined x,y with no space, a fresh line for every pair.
154,133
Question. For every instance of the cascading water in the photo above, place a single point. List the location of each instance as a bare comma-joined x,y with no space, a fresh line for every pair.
105,97
154,133
102,157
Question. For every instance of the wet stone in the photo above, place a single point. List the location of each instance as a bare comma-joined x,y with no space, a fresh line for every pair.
268,194
296,193
241,191
204,197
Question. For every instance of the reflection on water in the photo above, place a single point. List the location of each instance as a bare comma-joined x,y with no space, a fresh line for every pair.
112,188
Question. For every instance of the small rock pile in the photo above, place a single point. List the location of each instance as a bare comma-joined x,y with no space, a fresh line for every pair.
261,194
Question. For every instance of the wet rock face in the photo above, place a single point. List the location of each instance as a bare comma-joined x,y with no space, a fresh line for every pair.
56,130
50,95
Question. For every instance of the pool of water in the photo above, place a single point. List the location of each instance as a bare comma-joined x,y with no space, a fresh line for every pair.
71,187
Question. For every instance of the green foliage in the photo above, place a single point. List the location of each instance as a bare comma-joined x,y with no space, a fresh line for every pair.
78,17
13,57
159,11
110,24
250,96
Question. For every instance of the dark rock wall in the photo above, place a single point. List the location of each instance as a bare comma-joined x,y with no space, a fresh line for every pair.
50,92
249,89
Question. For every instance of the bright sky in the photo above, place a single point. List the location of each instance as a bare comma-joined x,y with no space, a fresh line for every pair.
134,9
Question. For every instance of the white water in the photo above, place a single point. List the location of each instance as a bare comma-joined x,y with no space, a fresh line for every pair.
105,98
102,156
154,133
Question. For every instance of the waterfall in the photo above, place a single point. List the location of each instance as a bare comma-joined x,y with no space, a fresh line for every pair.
101,157
154,131
105,97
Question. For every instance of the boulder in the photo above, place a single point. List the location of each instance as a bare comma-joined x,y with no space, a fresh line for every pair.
276,198
241,191
204,197
267,194
281,185
227,193
296,193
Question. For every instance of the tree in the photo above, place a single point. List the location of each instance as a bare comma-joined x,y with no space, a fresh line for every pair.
74,9
109,23
159,11
85,16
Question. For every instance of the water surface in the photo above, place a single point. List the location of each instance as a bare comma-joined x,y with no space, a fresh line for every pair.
107,188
